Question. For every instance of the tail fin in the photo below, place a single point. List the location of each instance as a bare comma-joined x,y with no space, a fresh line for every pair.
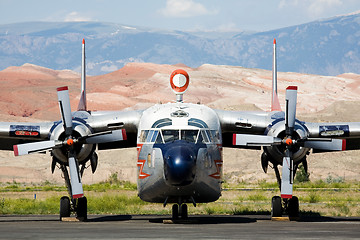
275,104
82,104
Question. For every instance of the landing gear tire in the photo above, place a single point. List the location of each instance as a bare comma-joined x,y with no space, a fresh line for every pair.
64,207
81,210
175,212
184,211
293,207
276,209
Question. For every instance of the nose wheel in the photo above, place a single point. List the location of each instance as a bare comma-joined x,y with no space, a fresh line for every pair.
179,211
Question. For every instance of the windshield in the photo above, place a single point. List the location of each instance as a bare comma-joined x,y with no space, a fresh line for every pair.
170,135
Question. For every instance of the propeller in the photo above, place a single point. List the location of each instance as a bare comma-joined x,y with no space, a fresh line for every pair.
70,142
291,145
251,140
290,109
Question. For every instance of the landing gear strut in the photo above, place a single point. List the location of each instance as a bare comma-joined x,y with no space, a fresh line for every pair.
289,206
67,205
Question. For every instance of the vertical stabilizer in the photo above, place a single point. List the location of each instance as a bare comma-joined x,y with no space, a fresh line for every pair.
82,103
275,104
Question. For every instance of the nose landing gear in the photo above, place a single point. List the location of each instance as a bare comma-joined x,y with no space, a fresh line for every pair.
179,211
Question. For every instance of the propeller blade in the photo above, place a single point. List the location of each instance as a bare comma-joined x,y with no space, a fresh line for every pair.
75,179
108,136
329,145
290,111
287,178
23,149
65,109
254,140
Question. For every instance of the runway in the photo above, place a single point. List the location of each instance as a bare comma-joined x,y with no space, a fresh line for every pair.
198,227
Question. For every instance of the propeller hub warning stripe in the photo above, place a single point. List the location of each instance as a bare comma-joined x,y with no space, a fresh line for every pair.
16,151
291,88
62,89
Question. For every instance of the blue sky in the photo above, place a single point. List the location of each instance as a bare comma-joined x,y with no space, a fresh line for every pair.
191,15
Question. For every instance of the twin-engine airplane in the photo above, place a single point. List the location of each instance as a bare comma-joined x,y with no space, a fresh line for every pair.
179,145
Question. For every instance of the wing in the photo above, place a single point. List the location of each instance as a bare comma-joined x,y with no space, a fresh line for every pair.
244,122
345,130
13,133
107,121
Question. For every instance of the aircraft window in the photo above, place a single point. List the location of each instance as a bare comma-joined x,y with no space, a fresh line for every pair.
170,135
204,136
209,135
143,135
189,135
200,139
159,138
149,136
156,132
215,135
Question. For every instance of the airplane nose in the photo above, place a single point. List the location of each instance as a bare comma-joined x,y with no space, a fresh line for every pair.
179,163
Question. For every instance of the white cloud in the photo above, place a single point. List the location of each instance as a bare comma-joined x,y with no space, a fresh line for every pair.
318,7
311,7
76,17
184,8
110,68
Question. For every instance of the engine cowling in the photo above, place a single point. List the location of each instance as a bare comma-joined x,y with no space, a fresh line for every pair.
277,152
83,151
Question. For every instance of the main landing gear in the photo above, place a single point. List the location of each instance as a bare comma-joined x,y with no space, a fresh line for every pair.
67,205
78,205
280,206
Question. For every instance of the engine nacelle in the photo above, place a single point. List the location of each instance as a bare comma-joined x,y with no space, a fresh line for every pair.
83,151
277,152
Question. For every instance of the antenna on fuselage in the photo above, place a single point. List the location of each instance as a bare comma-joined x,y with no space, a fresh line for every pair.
179,82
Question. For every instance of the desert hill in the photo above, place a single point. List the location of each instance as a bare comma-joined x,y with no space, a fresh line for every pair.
28,93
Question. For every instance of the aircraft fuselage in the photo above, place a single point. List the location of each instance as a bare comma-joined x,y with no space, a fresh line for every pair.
179,154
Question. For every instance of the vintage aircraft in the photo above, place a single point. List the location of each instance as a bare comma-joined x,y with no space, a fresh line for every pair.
179,145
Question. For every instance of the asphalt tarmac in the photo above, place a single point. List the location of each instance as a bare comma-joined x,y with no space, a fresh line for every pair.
197,227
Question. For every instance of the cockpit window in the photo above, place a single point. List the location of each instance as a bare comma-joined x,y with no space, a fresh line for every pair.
149,136
204,136
170,135
215,136
189,135
159,138
143,135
